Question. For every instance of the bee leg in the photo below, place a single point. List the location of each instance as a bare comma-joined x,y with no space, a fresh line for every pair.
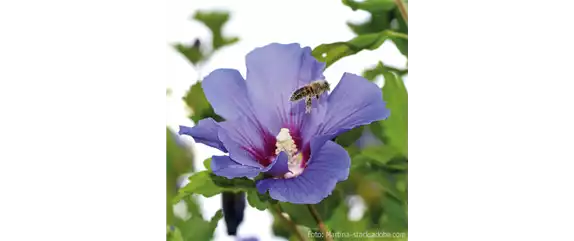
308,104
317,96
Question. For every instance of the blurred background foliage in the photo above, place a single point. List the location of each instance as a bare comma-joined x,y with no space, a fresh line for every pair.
379,151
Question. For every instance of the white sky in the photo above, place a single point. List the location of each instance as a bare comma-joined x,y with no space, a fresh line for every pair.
257,23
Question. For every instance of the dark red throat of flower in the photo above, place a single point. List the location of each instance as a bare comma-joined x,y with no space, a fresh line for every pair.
267,154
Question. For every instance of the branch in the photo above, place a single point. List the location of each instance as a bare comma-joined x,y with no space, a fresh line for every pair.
277,209
403,10
322,227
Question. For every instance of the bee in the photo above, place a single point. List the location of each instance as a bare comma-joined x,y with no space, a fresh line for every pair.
313,89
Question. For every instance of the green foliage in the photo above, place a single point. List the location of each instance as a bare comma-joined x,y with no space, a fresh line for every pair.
330,53
371,5
395,128
256,200
178,161
384,16
350,137
207,163
300,213
197,53
195,228
215,20
195,99
372,73
191,52
207,184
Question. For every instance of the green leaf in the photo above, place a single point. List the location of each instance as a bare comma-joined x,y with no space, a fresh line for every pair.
372,73
174,235
190,52
372,185
402,44
208,184
394,218
350,137
371,5
207,164
178,161
340,222
199,183
192,206
215,20
330,53
198,229
195,99
353,150
256,200
379,154
216,217
300,213
235,184
395,128
398,163
279,227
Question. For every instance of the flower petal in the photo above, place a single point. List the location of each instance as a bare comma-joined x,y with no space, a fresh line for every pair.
224,166
204,132
354,102
274,72
246,142
329,164
226,91
279,166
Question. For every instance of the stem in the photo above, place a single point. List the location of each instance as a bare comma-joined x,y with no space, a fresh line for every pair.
403,10
277,209
320,223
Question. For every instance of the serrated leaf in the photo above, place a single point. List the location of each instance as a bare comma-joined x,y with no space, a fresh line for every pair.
395,127
256,200
350,137
332,52
199,183
197,229
215,219
190,52
372,73
208,184
371,5
215,20
235,184
196,101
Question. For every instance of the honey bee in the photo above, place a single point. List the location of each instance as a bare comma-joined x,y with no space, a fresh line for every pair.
313,89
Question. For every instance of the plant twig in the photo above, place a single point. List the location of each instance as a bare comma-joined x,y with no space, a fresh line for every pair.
277,209
322,227
403,10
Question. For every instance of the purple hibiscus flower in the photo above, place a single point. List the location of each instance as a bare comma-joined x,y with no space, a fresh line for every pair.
265,132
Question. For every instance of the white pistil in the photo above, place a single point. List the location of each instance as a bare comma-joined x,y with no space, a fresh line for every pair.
286,144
